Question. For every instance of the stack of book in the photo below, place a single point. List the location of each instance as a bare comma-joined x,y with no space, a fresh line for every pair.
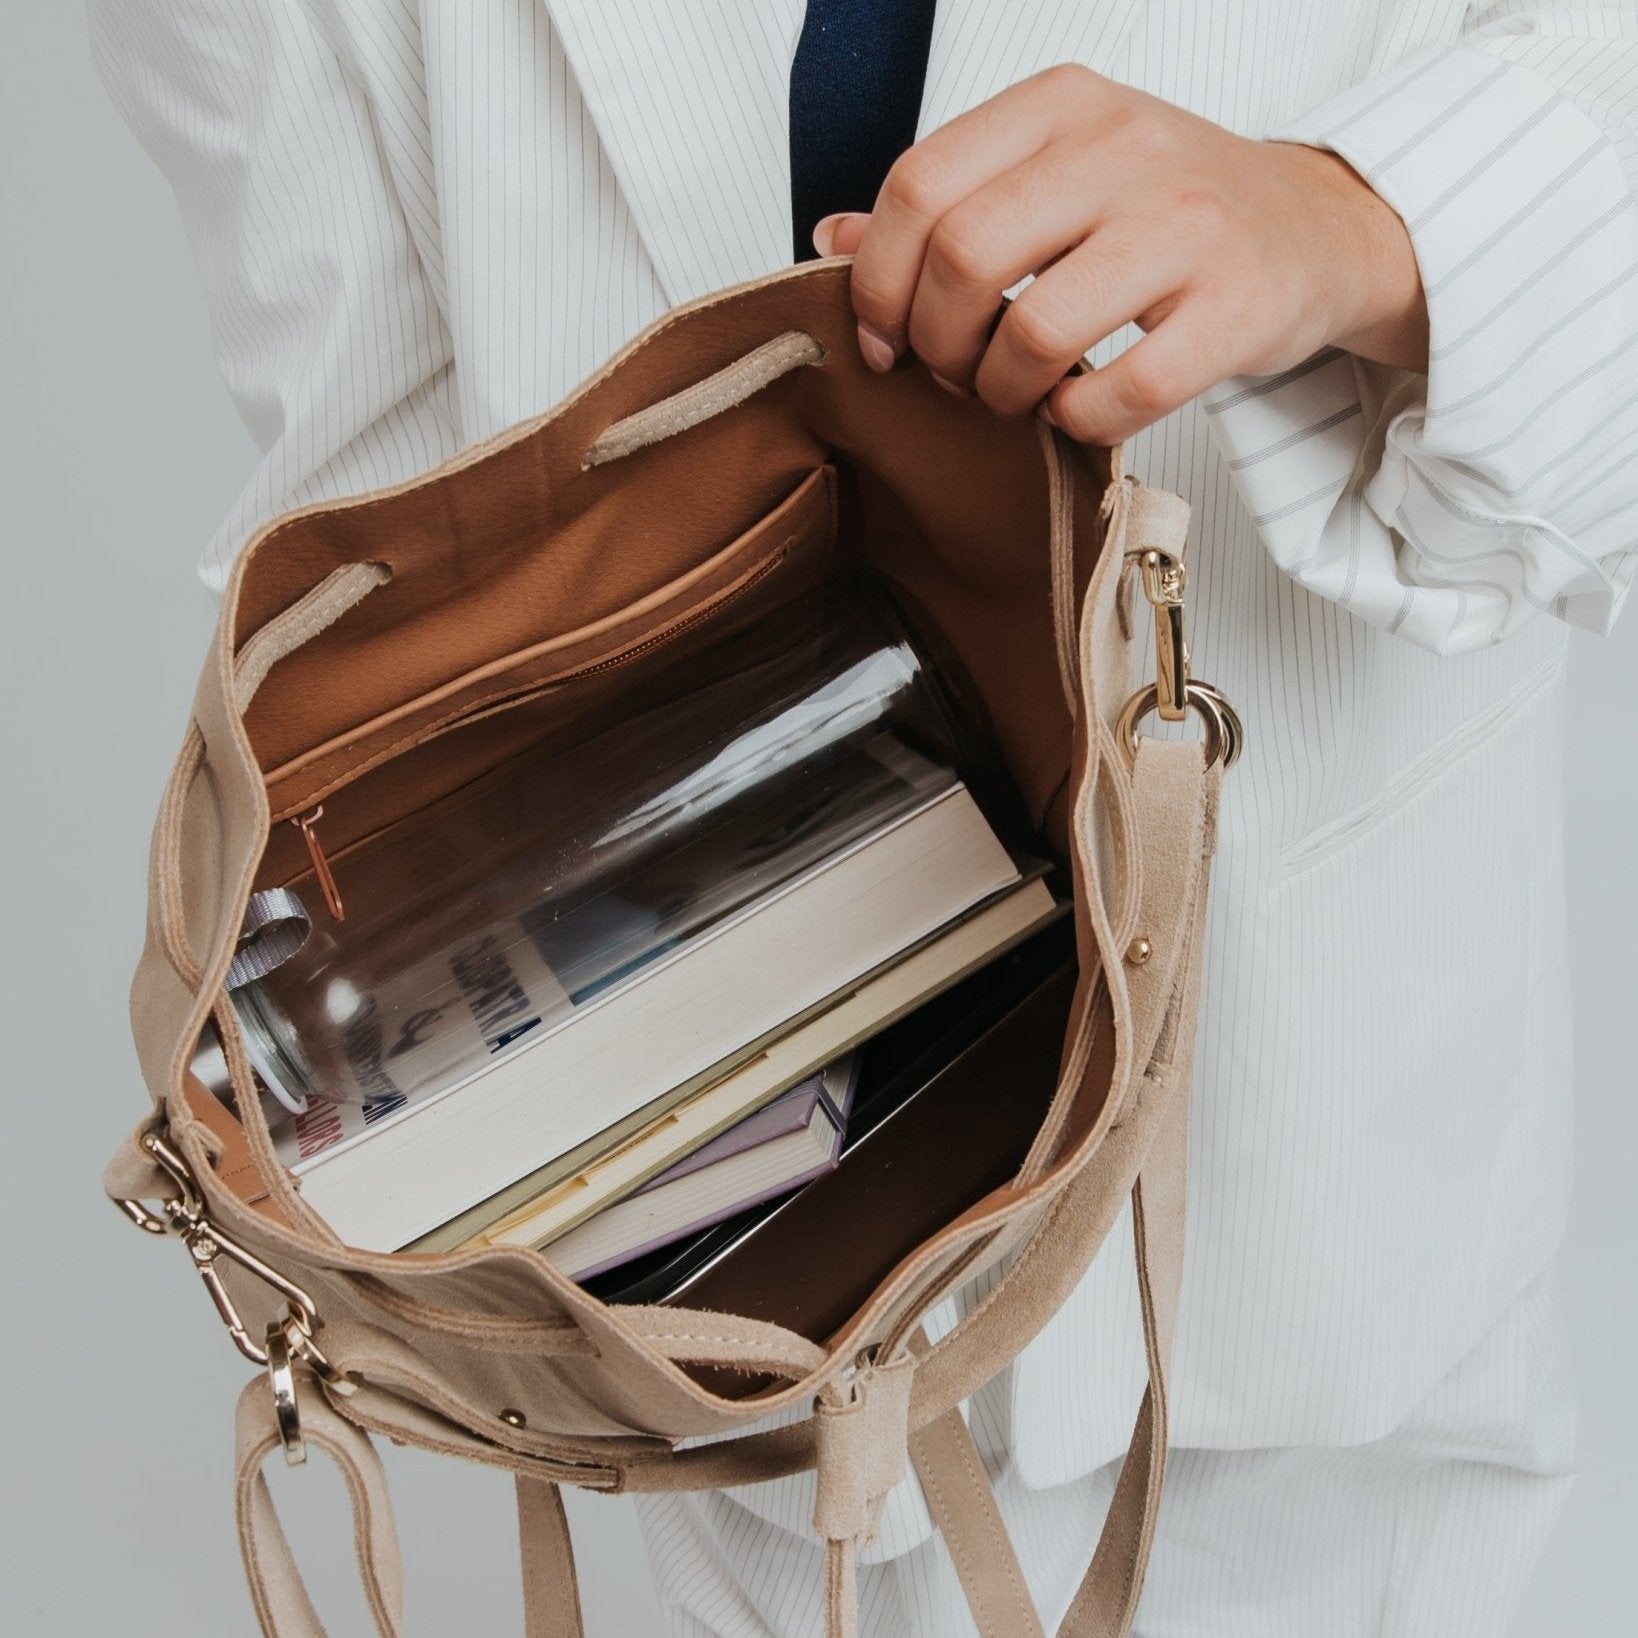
712,1073
614,991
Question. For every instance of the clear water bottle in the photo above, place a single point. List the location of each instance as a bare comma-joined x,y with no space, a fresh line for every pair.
478,924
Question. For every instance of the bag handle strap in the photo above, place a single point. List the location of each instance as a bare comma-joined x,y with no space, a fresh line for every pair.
277,1591
1106,1603
958,1490
551,1589
278,1594
959,1497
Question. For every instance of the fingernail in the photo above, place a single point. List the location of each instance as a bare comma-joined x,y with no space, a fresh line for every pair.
950,386
828,230
876,349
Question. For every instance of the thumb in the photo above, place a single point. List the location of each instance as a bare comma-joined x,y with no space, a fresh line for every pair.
841,234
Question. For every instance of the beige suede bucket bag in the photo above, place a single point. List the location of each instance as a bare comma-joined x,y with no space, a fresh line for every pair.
398,645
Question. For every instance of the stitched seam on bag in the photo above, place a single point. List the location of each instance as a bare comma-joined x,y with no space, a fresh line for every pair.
690,1336
976,1593
966,1451
583,1475
170,915
765,1350
488,1331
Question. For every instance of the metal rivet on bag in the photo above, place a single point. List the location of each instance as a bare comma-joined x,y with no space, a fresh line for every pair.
514,1419
1139,951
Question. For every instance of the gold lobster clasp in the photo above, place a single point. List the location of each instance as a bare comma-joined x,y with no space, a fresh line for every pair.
289,1338
1174,693
1165,583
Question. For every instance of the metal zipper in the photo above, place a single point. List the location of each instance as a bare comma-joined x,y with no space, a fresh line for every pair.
307,824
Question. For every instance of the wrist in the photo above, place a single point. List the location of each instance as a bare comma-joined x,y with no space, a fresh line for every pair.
1383,313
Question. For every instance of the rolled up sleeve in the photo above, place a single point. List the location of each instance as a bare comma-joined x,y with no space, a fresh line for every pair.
1454,508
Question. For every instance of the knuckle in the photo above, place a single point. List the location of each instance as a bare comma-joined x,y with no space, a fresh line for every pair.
917,185
961,252
1152,384
1039,331
1076,415
1144,134
1200,210
1069,78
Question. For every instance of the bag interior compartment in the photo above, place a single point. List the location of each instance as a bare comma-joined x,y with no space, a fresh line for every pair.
817,474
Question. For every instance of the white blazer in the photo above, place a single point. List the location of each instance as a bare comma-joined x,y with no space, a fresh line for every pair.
418,221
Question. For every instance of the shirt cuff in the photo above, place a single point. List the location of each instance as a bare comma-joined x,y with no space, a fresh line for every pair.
1524,230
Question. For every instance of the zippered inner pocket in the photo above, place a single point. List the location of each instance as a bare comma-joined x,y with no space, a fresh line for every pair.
390,767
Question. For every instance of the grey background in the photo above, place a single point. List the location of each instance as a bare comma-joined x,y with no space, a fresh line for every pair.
121,454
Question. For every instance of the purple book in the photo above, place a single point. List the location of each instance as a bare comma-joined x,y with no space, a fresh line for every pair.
783,1145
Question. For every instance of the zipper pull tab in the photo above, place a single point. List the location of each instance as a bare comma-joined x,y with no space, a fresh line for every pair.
307,823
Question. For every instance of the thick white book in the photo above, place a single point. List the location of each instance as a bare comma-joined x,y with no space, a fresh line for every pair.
622,1158
383,1184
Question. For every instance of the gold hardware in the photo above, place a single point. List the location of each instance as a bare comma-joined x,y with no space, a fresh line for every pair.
182,1213
307,824
514,1419
281,1378
1234,733
1174,692
1224,734
1139,951
1165,584
142,1217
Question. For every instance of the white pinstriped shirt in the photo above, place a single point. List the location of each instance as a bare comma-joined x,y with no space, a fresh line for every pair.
418,221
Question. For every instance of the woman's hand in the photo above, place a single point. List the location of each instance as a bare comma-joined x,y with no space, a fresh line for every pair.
1236,256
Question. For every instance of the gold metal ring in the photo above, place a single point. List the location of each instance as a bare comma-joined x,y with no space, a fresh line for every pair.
282,1379
1234,734
1224,735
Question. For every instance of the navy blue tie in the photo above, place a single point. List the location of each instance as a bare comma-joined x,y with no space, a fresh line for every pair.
856,83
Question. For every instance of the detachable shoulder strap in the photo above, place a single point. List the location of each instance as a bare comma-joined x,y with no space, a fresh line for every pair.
551,1595
957,1489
